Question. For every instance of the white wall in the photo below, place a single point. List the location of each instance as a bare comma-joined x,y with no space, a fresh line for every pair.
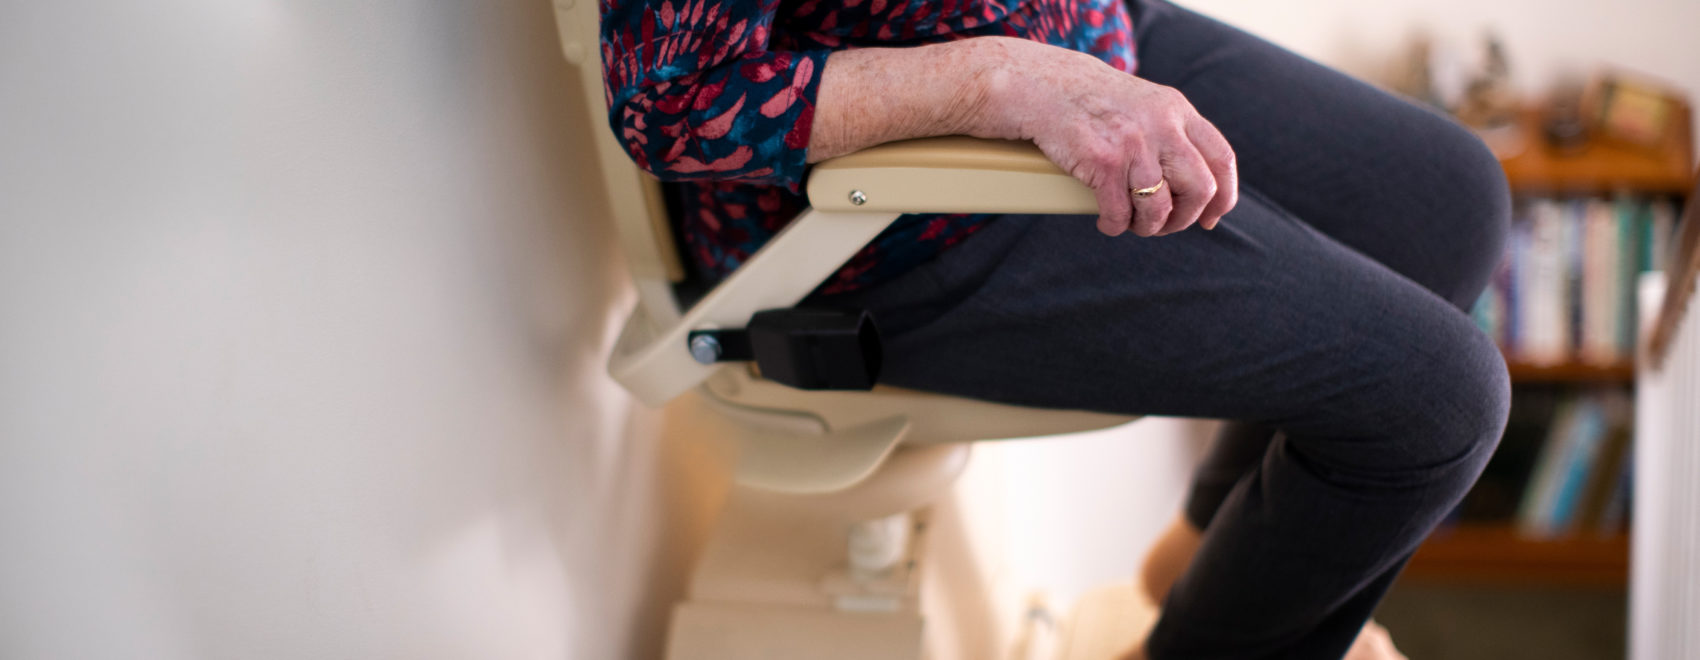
1051,518
301,323
1543,37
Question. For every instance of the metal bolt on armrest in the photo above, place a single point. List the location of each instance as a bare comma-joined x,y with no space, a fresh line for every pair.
705,349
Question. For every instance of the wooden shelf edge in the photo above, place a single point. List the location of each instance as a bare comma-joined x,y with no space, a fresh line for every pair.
1571,372
1498,555
1600,167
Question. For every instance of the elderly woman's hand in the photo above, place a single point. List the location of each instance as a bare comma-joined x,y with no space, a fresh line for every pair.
1115,132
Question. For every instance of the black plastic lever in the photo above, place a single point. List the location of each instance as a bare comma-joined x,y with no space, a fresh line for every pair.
805,348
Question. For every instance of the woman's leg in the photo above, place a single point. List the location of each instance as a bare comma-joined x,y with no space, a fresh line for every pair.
1437,197
1388,398
1341,331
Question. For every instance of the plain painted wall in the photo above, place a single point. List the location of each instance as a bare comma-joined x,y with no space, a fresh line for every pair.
1543,38
302,316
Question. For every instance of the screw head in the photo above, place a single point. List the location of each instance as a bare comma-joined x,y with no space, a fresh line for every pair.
705,349
858,198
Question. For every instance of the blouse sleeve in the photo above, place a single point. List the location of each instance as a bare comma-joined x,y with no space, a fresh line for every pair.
694,93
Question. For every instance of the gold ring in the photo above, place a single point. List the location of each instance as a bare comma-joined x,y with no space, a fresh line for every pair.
1147,192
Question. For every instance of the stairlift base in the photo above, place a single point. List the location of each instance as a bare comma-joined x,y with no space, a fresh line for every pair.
798,597
776,580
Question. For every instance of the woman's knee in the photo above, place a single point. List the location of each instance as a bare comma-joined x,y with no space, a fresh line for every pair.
1427,407
1453,399
1473,380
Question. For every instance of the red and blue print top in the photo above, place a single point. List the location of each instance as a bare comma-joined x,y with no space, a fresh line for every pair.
719,96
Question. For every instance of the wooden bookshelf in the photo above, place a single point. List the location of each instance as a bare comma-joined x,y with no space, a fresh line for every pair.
1496,554
1599,168
1482,554
1571,372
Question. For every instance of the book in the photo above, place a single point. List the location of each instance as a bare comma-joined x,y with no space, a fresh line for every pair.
1581,452
1600,288
1615,515
1486,312
1608,467
1571,279
1542,279
1510,281
1629,219
1534,513
1493,307
1661,224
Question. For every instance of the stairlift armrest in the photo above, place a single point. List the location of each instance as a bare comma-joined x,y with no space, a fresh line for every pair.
933,175
953,174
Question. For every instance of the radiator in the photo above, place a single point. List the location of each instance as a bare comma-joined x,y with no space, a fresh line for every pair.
1664,608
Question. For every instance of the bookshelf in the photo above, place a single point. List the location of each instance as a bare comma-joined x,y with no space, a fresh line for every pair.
1496,553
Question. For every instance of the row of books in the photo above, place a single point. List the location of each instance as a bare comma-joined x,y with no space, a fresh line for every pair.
1564,466
1565,291
1582,477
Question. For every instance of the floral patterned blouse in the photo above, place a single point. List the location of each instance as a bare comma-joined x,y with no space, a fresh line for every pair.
718,95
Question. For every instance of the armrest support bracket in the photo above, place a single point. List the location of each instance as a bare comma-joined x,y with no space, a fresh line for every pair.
933,175
654,364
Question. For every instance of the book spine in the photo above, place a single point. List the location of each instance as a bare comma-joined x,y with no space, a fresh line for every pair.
1599,295
1516,274
1628,269
1534,513
1545,322
1580,455
1574,238
1662,223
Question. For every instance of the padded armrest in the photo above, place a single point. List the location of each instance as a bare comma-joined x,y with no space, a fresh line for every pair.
934,175
948,175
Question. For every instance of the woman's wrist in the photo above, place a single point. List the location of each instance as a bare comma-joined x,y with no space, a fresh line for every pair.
989,92
1015,83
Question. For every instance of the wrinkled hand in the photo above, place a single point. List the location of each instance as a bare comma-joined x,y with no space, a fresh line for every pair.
1117,133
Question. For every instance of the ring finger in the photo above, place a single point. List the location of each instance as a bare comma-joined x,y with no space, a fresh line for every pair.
1150,212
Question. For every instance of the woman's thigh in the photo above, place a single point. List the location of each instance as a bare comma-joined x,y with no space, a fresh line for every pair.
1263,319
1394,180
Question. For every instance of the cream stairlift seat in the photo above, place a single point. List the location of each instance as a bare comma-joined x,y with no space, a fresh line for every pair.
811,443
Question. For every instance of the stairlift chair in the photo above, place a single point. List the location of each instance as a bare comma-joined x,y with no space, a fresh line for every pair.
818,551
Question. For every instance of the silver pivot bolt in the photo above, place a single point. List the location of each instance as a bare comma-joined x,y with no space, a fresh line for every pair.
858,198
705,349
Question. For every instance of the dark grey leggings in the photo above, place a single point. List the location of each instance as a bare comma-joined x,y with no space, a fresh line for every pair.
1323,316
